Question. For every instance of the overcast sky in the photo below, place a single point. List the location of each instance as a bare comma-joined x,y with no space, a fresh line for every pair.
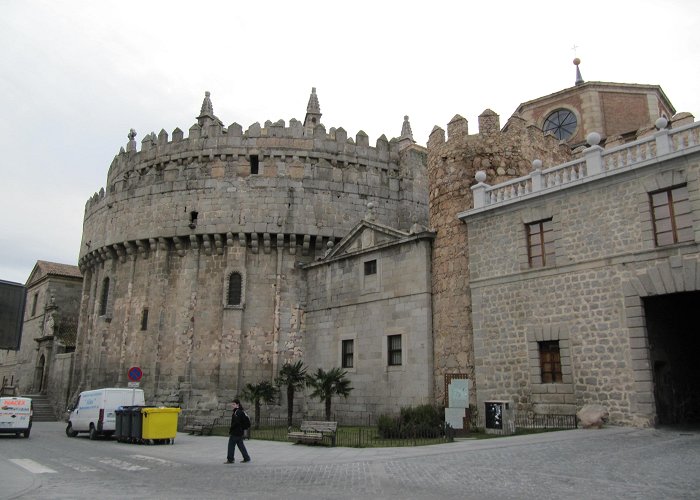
75,76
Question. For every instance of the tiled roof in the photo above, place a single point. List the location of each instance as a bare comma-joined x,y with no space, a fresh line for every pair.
59,269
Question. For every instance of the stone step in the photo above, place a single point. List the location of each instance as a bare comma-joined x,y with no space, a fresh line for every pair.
43,409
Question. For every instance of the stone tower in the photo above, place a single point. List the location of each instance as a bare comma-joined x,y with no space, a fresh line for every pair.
452,164
193,254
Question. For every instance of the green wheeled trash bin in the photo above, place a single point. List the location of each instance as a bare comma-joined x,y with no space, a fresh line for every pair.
122,424
135,424
159,425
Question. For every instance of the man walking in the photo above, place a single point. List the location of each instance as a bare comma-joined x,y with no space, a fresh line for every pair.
239,422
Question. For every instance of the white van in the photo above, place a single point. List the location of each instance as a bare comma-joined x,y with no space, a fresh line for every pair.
16,415
93,412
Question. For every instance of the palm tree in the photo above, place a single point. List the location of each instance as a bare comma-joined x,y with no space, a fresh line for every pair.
260,392
293,377
327,384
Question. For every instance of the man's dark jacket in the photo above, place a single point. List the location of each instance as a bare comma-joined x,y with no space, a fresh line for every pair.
236,426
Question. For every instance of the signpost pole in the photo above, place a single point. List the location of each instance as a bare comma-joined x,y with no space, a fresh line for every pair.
134,374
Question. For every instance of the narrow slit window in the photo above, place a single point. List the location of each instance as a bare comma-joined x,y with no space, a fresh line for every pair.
235,283
104,297
144,319
254,164
34,302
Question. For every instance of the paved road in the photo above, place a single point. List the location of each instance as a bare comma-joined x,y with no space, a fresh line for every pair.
615,463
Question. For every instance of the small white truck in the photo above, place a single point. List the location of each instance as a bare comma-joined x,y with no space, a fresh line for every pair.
16,415
94,411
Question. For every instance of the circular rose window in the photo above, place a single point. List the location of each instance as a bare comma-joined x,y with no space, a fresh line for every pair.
562,123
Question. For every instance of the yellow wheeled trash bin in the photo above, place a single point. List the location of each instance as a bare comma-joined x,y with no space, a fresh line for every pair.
159,425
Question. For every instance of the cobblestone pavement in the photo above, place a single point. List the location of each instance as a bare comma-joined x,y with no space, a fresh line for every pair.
618,463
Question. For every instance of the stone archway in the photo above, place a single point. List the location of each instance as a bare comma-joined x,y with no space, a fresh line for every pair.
39,375
676,275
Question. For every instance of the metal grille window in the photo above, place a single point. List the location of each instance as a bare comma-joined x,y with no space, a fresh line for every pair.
235,283
370,267
671,215
348,353
394,350
550,362
104,297
540,243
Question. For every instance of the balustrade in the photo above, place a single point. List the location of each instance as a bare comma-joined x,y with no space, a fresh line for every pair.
596,161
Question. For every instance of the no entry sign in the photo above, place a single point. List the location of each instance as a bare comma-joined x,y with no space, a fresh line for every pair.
135,374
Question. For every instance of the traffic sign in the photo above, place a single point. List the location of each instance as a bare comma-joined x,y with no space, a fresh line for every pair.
135,374
133,385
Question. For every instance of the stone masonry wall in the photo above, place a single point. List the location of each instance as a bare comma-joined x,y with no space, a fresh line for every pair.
341,306
452,164
195,348
603,242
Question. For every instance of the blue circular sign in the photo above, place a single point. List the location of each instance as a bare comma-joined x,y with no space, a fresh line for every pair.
135,374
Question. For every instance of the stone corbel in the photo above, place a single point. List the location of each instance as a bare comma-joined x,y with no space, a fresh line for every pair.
293,244
206,243
121,252
179,246
280,242
266,242
219,244
254,242
229,239
306,244
111,254
131,250
142,248
194,242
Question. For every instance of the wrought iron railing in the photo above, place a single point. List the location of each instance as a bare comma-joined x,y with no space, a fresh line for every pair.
361,432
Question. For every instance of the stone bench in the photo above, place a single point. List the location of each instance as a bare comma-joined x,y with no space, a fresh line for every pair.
313,431
201,428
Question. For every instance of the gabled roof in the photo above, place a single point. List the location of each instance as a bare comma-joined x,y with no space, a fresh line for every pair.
44,268
369,235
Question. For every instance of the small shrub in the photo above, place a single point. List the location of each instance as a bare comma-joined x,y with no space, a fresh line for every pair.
423,420
389,427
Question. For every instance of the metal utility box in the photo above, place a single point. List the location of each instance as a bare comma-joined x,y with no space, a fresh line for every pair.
499,417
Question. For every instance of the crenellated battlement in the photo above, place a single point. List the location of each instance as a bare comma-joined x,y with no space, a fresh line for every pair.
279,148
281,178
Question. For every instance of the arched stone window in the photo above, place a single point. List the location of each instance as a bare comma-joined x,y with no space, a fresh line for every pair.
235,289
104,297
